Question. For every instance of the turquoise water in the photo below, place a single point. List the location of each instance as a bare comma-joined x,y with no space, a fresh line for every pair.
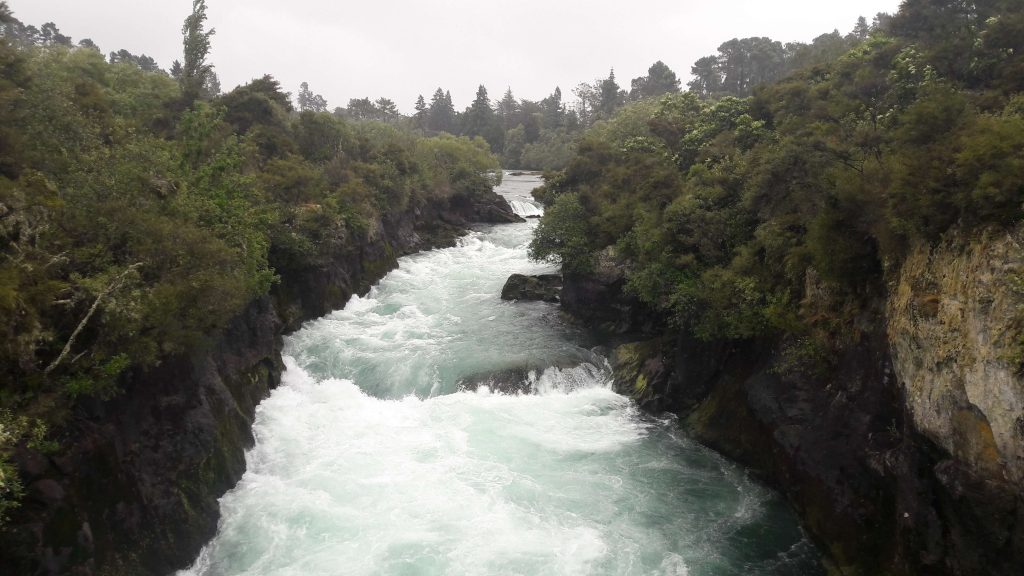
371,459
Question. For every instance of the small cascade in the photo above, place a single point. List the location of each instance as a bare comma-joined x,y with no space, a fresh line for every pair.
527,208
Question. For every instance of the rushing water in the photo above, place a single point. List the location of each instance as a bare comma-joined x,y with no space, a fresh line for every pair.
370,458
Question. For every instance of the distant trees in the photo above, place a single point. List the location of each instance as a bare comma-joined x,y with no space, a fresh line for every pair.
122,56
308,101
50,35
380,110
660,80
26,35
741,64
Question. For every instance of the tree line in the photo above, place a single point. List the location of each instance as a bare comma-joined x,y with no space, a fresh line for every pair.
542,135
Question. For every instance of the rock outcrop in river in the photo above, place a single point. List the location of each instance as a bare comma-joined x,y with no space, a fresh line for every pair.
543,287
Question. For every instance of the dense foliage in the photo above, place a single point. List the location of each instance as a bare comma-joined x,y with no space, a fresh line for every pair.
728,213
138,215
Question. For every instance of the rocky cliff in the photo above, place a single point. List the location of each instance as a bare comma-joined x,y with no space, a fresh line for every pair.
902,454
955,322
134,488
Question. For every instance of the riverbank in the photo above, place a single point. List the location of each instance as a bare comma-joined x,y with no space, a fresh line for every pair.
136,489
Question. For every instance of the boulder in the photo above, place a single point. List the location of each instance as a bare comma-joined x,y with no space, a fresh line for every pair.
545,287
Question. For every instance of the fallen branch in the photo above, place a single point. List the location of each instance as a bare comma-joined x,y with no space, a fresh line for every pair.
92,310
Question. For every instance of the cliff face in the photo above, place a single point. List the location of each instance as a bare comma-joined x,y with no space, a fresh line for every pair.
135,486
903,457
955,328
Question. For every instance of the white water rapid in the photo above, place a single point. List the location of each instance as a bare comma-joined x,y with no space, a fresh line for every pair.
370,458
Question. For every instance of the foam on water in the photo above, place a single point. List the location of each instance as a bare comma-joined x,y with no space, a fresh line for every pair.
368,461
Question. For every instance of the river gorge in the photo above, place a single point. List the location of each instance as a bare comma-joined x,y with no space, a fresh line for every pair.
431,428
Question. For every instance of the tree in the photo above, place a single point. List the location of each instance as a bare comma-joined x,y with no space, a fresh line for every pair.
660,80
508,109
51,36
748,62
360,109
387,110
554,111
707,80
861,30
211,89
144,62
611,97
195,69
882,22
587,99
480,120
420,117
88,44
441,114
6,16
310,102
177,70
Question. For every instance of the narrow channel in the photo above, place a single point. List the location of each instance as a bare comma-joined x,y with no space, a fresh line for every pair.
391,449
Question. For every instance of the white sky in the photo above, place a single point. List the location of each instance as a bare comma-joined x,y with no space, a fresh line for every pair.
401,48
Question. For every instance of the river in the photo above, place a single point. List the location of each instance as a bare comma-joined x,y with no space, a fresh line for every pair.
373,457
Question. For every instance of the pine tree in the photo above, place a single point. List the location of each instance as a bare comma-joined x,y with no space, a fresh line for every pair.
441,114
420,117
508,110
611,99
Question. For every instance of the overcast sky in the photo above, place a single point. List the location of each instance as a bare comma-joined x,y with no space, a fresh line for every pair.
402,48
